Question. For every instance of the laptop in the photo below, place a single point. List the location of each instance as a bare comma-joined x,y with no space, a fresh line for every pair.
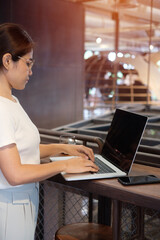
119,149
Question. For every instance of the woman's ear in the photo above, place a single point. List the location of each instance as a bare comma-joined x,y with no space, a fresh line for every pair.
6,59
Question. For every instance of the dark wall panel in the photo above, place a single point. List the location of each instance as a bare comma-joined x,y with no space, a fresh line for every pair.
54,94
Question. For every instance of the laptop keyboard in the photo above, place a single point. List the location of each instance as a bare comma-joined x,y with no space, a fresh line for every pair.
103,168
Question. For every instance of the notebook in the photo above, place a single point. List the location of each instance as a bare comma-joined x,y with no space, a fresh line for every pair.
119,149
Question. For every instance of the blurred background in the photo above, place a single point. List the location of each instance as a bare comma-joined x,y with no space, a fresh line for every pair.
91,56
122,52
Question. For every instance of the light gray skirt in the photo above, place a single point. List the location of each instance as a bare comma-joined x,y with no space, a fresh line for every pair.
18,212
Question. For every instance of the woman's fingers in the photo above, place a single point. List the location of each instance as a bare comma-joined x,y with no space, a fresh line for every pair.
89,163
89,153
79,165
85,152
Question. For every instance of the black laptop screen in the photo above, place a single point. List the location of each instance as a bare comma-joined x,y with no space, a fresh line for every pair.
123,138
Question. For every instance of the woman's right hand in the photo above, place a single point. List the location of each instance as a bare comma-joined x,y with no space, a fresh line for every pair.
80,165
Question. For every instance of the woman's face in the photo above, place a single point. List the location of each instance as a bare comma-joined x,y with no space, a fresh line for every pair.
20,71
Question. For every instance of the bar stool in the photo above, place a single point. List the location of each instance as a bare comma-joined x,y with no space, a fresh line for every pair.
84,231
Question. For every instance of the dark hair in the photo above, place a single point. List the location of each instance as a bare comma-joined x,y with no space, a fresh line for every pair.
14,40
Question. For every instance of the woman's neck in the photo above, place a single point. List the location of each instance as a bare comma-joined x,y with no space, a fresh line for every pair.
5,89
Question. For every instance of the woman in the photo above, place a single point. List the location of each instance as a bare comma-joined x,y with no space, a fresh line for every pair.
20,148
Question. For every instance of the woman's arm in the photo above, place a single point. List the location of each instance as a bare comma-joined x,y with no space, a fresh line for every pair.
17,173
47,150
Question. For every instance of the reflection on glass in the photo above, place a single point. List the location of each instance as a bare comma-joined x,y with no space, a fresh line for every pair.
123,138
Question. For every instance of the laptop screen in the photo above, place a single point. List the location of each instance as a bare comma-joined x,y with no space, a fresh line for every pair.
123,138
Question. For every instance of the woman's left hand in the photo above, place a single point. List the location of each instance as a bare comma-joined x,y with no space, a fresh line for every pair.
79,150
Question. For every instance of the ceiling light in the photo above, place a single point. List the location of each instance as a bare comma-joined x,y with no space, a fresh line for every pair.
98,40
127,55
158,63
151,47
126,3
120,55
96,53
112,56
88,54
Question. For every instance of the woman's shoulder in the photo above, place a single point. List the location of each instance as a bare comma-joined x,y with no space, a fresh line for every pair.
7,105
4,109
5,101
